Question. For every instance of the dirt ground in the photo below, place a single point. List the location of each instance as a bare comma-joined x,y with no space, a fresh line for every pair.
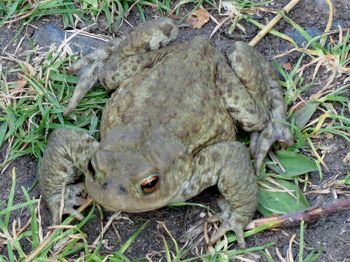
333,232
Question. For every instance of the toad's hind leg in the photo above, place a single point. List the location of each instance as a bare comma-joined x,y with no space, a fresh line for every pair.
66,157
258,77
145,37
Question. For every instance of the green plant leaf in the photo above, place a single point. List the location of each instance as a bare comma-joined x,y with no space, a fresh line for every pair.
3,129
131,239
304,114
273,200
295,164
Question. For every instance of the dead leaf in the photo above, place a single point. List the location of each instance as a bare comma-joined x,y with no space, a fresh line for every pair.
346,159
198,18
328,135
20,84
29,68
287,66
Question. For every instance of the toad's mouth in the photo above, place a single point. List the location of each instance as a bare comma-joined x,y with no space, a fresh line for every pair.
112,208
114,201
127,210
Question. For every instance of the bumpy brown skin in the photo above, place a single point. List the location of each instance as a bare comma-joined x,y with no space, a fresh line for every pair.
173,114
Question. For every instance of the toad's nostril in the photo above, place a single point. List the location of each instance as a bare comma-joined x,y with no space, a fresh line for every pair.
121,189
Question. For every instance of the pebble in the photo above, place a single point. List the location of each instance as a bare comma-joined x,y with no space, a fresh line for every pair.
298,38
52,35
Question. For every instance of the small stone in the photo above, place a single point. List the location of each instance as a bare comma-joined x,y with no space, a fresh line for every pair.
298,38
50,34
202,215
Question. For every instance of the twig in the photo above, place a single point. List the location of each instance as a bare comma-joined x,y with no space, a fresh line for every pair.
104,229
272,23
308,215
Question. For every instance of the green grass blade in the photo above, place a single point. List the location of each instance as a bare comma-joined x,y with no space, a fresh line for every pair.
313,256
131,239
17,206
3,131
11,255
167,251
33,222
10,199
301,242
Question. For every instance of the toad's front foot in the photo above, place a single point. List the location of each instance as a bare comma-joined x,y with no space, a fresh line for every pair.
65,159
234,221
107,59
236,181
63,204
87,69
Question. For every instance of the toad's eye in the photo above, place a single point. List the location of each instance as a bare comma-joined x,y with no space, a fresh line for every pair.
150,184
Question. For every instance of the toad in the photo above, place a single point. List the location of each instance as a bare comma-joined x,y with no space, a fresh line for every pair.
168,131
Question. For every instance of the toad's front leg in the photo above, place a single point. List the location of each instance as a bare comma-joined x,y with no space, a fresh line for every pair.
228,165
66,157
111,57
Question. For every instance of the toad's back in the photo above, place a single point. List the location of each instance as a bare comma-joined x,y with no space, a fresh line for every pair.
175,98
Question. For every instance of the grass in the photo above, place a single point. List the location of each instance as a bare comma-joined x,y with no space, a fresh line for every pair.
36,89
59,242
70,241
32,106
114,11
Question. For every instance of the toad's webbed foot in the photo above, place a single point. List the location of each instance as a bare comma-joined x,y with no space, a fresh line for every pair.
233,173
88,68
229,221
66,205
111,57
65,159
237,183
277,128
262,110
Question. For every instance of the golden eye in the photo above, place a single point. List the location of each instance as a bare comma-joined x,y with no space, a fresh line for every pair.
150,184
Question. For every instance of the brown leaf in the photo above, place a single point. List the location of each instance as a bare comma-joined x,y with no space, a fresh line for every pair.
287,66
346,159
198,18
20,84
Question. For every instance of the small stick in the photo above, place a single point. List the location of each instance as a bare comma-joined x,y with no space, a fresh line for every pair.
308,215
272,23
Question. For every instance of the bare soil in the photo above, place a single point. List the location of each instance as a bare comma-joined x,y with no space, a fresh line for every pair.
332,233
